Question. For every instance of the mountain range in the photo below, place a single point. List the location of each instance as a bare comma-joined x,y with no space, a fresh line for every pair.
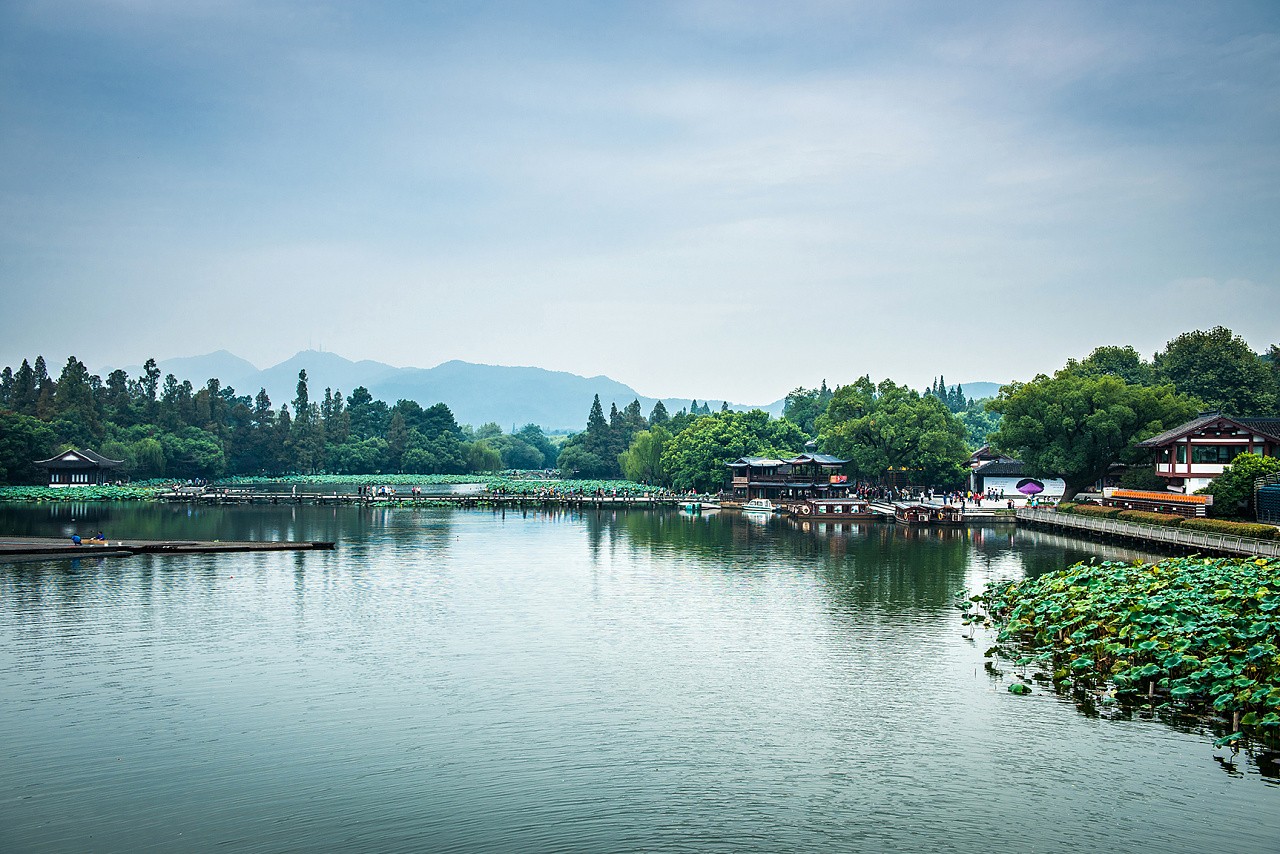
554,400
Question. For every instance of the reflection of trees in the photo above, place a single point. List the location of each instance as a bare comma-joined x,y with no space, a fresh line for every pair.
862,563
152,521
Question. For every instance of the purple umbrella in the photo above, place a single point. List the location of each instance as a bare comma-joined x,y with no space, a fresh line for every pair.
1030,486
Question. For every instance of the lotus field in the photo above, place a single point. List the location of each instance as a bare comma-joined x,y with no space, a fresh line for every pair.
1194,634
79,493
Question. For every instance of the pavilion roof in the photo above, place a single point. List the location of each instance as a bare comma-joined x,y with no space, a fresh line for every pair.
820,459
1269,427
82,457
755,462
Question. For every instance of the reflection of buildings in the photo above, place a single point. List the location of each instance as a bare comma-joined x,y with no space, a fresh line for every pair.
1191,455
805,476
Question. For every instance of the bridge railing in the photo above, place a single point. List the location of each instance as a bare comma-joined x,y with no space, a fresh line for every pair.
1208,540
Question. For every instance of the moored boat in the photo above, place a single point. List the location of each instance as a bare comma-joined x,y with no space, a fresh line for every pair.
834,510
759,505
917,513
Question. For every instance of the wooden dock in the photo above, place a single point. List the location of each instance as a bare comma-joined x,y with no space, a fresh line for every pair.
1187,541
11,547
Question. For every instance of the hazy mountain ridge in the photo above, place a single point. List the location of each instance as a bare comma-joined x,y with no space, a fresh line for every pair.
555,400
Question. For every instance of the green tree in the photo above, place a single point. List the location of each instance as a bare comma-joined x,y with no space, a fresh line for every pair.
576,461
482,457
1074,427
367,417
533,434
658,416
23,440
397,439
1220,369
642,462
892,427
193,453
1232,490
697,456
1123,362
803,406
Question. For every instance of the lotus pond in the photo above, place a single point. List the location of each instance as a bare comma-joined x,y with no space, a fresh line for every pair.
1183,636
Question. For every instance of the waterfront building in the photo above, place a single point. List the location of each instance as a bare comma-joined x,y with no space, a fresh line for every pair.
1003,474
79,468
1191,455
805,476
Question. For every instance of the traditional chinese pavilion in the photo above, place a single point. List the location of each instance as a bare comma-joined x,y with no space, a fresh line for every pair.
1191,455
805,476
79,468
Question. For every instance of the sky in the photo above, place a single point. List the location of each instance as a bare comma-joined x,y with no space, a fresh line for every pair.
711,199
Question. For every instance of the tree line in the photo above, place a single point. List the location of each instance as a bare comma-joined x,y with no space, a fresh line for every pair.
1074,424
170,428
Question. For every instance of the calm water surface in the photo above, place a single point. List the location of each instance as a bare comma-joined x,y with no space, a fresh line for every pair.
471,681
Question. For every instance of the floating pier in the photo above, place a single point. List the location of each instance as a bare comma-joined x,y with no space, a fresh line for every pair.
61,547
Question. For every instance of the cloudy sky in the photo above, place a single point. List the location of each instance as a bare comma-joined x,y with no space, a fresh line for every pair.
713,198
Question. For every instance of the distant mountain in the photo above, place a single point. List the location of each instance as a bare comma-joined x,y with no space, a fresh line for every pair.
555,400
980,390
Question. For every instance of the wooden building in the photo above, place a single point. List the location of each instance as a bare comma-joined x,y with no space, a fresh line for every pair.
1191,455
798,478
80,468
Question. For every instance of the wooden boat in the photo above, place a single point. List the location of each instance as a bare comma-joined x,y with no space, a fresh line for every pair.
915,513
759,505
835,510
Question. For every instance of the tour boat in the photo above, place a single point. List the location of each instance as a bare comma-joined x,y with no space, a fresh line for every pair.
915,513
759,505
835,510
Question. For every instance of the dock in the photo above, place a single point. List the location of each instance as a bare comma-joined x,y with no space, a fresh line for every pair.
1178,539
11,547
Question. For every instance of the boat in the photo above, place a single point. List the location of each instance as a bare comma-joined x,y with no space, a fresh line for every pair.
834,510
759,505
919,513
700,507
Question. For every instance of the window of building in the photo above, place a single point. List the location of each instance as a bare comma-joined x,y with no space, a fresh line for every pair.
1215,454
1182,453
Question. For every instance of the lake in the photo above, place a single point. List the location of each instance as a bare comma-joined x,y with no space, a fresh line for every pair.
462,680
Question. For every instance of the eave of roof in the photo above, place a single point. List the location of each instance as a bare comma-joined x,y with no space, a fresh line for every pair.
1269,427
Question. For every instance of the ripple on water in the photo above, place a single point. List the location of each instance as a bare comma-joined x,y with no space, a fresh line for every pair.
467,681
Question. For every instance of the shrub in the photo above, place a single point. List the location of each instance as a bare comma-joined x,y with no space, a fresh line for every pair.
1096,510
1065,506
1144,517
1243,529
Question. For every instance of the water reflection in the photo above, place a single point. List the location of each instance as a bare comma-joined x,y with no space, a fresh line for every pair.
475,680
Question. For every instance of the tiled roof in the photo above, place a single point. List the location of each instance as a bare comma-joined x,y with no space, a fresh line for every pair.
755,462
1269,427
1000,468
820,459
